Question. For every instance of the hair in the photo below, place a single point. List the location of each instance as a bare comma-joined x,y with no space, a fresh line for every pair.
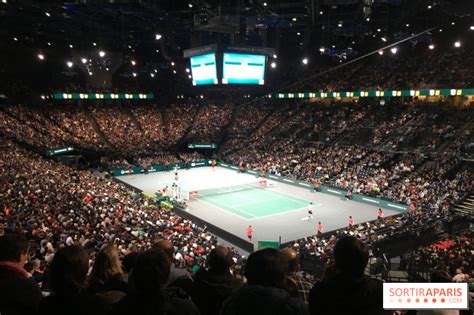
68,270
351,255
293,258
220,259
106,266
267,267
167,247
129,261
151,272
12,246
439,276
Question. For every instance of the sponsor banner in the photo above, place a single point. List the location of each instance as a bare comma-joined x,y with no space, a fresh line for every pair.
55,151
288,180
274,177
417,296
334,191
304,184
202,146
234,167
252,172
370,200
396,206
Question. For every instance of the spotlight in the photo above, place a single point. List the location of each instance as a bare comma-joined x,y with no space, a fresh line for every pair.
189,76
69,64
440,30
40,56
101,53
90,73
275,56
321,12
265,4
174,71
157,50
158,36
379,30
384,39
367,19
298,33
152,75
187,70
394,50
4,1
83,60
43,97
49,44
107,69
431,47
172,63
321,49
429,7
380,52
407,25
273,65
94,44
133,62
47,14
305,61
452,23
134,74
71,46
294,19
457,44
156,71
471,27
15,39
339,25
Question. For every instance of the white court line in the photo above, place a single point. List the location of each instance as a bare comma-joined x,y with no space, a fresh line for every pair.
255,202
225,205
315,203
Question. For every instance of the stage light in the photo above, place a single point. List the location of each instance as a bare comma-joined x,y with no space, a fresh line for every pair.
43,97
265,4
407,25
101,53
321,49
158,36
40,56
452,23
379,30
321,12
273,65
294,19
94,44
156,71
339,25
429,7
189,76
71,46
174,71
190,5
275,56
152,75
394,50
440,30
298,33
187,70
172,63
202,96
83,60
457,44
157,50
333,46
15,39
49,44
107,69
133,62
47,14
129,46
431,47
305,61
380,52
90,73
471,27
4,1
367,19
134,74
69,64
384,39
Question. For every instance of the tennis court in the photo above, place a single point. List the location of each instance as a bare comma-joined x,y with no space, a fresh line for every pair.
255,203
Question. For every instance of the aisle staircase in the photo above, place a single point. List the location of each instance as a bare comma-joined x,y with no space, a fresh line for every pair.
96,126
466,207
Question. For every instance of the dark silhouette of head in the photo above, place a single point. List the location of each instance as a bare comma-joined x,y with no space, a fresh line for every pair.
14,248
167,246
220,259
266,267
68,270
293,259
151,272
351,255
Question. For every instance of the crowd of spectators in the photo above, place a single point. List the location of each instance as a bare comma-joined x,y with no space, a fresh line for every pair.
210,122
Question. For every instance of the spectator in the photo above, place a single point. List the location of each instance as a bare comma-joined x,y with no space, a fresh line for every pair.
264,292
19,293
178,277
344,288
214,285
106,278
68,274
150,294
295,278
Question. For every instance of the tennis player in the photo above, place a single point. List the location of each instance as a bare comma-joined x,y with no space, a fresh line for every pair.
310,210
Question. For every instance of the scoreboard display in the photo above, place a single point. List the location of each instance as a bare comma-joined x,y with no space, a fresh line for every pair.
203,69
243,69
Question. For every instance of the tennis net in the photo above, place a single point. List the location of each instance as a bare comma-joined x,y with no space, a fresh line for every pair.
262,183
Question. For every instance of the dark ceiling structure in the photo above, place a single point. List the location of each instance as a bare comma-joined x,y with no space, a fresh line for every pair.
143,41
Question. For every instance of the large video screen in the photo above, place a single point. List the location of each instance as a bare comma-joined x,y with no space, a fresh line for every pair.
203,69
243,69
